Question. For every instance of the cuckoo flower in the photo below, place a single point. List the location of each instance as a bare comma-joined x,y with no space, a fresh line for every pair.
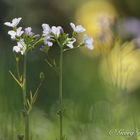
20,48
26,40
28,31
56,30
16,33
88,41
46,29
47,41
78,28
14,22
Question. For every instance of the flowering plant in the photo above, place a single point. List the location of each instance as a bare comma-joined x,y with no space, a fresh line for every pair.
26,41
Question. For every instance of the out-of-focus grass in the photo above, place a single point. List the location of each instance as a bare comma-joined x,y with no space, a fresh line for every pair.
120,69
9,101
88,115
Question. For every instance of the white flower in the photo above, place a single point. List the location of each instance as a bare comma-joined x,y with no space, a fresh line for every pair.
16,48
47,41
20,48
14,22
19,32
28,31
46,29
78,28
16,33
56,30
12,34
70,43
88,41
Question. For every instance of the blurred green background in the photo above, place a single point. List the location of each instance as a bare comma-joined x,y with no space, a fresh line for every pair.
97,96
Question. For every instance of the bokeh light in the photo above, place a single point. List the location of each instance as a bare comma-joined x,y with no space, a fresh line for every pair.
98,17
121,67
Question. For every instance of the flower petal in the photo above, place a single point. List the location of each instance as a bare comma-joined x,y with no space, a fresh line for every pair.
88,42
72,26
46,29
19,32
28,31
70,43
8,24
16,49
16,21
78,28
12,34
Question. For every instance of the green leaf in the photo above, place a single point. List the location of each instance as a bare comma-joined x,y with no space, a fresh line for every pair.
63,38
49,63
15,79
29,105
31,96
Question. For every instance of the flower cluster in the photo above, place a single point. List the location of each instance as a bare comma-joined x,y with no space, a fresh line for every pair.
27,40
56,33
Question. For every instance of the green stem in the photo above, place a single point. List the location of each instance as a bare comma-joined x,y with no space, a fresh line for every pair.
60,92
80,45
26,114
24,79
27,126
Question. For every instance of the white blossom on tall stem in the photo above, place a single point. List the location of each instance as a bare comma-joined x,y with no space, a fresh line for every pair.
88,41
27,40
14,22
78,28
15,34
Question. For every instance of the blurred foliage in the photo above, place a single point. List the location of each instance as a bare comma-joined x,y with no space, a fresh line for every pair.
121,67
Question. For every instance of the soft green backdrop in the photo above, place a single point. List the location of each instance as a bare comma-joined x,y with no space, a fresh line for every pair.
90,114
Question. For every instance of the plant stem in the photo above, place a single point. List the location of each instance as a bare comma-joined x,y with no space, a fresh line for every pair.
26,114
24,79
60,92
27,127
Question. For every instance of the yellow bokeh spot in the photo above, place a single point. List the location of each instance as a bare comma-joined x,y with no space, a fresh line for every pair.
121,67
97,17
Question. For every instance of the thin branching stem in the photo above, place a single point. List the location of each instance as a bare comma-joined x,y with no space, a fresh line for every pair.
60,72
26,114
17,67
61,89
24,79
